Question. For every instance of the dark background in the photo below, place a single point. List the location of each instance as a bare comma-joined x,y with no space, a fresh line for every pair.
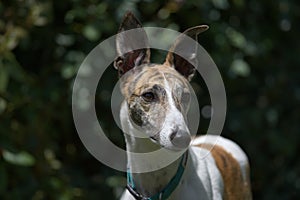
42,43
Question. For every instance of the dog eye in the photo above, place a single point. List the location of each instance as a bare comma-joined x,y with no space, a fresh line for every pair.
148,96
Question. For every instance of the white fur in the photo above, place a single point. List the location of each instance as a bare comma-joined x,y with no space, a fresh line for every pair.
229,146
173,118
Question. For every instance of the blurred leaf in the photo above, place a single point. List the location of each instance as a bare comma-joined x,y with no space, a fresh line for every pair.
75,57
91,32
65,40
38,13
66,195
116,181
221,4
3,105
237,39
272,116
240,67
68,71
76,13
22,158
101,8
10,39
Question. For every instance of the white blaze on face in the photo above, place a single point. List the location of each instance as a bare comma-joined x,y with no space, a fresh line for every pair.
174,120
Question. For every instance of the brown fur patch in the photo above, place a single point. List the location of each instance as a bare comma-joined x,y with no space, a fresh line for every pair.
235,188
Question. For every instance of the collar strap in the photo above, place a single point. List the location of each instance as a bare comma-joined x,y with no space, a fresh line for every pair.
164,193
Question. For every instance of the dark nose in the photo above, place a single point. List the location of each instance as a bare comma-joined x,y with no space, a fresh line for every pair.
180,139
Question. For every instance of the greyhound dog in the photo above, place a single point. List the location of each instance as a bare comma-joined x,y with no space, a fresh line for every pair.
157,98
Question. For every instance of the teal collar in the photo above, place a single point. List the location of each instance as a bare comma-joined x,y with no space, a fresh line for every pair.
164,193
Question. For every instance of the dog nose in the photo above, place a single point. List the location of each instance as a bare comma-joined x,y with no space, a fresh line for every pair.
180,139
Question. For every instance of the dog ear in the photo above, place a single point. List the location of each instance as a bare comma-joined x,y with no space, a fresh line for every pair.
128,45
183,44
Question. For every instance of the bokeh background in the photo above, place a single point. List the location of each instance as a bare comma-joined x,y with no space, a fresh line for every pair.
254,43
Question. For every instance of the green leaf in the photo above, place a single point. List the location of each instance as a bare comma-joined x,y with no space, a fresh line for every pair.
91,32
23,158
68,71
240,67
237,39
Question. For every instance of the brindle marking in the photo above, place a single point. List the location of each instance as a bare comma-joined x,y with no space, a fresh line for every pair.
150,79
231,173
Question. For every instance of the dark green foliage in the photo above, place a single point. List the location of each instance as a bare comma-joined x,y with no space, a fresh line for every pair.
254,43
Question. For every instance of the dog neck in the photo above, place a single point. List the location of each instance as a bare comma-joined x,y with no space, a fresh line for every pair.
149,183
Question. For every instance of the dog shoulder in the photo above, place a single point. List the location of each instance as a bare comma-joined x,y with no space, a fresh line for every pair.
231,162
224,144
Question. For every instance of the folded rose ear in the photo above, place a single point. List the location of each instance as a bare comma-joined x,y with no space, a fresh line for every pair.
130,53
188,49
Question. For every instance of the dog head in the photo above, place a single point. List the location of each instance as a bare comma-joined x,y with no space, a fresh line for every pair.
157,96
